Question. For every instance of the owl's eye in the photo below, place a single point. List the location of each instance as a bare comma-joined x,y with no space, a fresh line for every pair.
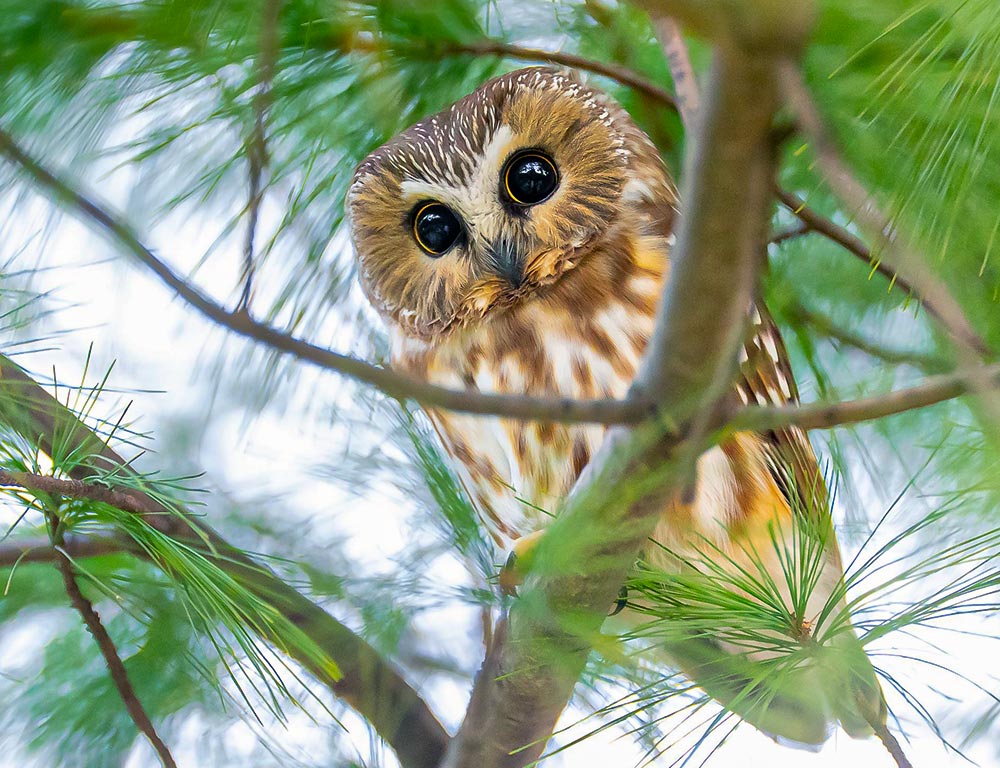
530,177
435,228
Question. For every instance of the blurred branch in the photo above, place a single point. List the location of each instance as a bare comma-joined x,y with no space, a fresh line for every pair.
397,385
610,70
797,230
909,264
536,658
42,551
369,684
840,335
490,47
676,52
119,675
256,145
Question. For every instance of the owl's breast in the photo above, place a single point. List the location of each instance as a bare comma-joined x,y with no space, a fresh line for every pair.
517,472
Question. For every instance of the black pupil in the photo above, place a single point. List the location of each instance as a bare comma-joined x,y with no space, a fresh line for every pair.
437,228
531,179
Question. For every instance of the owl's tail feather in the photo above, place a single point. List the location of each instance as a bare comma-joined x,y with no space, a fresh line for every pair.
797,706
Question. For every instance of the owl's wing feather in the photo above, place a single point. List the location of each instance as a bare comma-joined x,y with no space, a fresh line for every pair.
766,378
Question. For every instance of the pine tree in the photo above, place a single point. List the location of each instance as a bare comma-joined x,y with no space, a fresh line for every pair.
239,545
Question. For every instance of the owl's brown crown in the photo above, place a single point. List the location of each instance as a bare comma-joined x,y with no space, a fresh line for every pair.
442,240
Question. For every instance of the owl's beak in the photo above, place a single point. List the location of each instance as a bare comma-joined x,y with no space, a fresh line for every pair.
505,259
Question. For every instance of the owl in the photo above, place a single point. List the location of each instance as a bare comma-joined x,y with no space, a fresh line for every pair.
518,242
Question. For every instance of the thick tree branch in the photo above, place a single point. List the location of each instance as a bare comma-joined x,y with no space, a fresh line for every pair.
394,384
116,668
369,683
584,557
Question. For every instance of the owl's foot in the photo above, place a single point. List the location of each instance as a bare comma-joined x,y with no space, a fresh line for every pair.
518,563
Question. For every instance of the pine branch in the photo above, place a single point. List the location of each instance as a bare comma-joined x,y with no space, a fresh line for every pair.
536,657
369,683
127,501
119,675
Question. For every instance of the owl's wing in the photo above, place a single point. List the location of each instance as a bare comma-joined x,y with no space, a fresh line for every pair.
853,694
766,378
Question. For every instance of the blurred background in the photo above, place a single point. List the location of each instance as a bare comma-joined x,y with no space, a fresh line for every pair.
219,128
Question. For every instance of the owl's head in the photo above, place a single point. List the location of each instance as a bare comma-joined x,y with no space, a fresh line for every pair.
489,202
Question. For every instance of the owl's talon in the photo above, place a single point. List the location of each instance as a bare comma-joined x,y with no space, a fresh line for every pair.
509,579
621,603
518,563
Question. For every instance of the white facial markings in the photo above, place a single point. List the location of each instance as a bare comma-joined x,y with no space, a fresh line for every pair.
475,200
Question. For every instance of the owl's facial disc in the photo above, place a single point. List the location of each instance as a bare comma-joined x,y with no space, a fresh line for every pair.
488,203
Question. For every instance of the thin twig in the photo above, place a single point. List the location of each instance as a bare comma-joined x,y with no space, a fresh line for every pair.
792,232
840,335
892,745
487,47
119,675
256,146
133,502
815,222
394,384
931,391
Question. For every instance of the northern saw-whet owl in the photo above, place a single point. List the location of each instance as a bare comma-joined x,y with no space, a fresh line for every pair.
518,242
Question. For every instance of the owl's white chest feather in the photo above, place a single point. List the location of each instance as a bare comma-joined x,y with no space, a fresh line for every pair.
517,473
